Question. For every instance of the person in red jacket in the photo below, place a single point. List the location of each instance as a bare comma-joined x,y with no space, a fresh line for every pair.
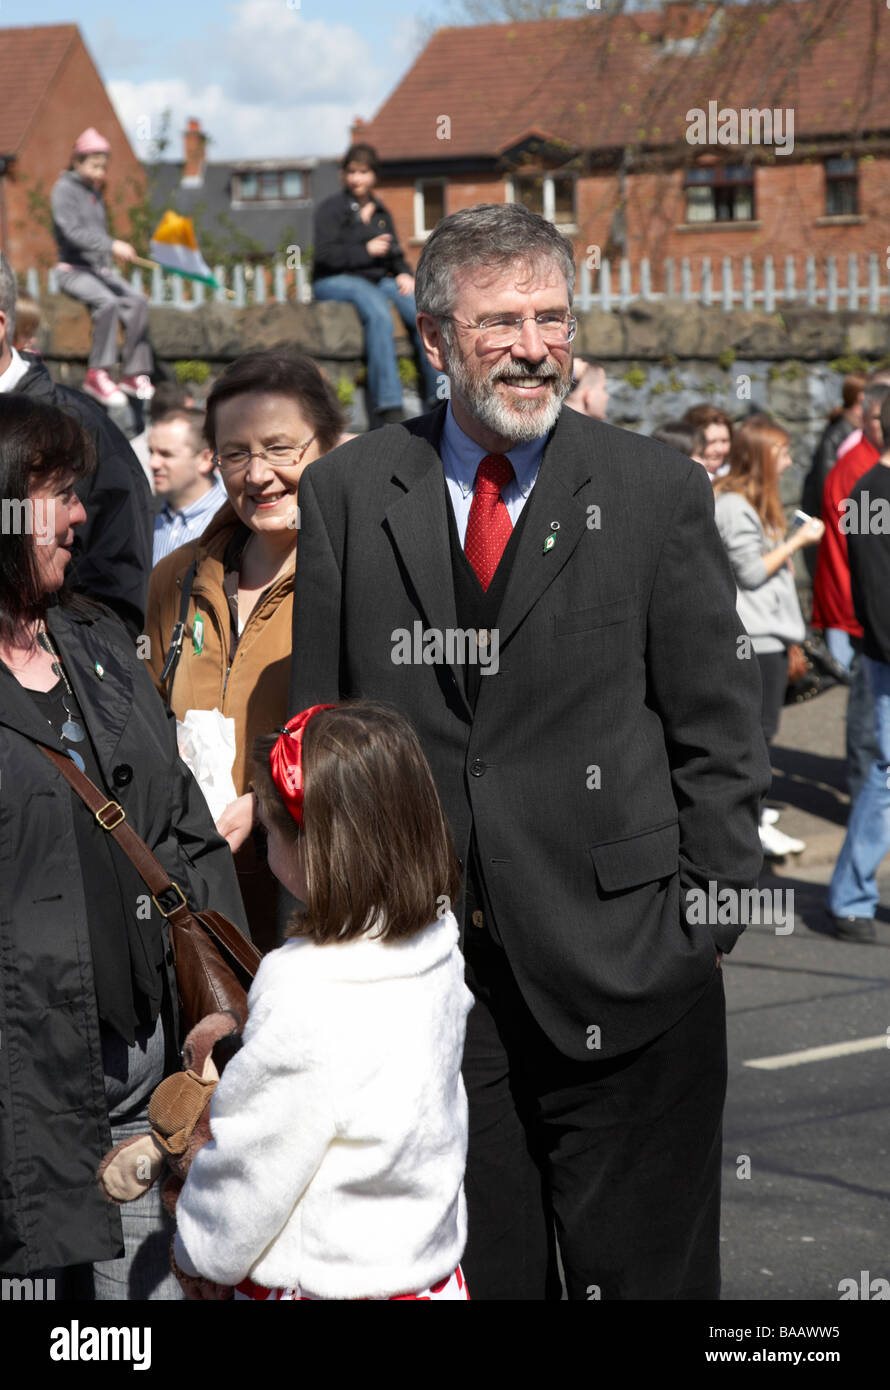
832,600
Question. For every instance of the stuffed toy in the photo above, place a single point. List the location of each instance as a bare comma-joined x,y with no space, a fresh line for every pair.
179,1115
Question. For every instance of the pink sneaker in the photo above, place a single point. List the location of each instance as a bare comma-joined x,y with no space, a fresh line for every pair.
98,384
139,386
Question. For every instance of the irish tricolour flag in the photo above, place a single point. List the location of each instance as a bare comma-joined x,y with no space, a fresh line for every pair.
175,247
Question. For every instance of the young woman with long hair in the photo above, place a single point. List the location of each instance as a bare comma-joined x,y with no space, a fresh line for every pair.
751,522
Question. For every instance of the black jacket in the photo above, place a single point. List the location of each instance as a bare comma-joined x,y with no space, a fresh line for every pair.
340,237
111,561
615,760
868,548
54,1125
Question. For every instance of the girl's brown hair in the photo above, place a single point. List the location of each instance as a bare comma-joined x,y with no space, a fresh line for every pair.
756,445
376,844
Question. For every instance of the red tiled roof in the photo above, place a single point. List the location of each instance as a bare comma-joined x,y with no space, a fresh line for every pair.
29,60
611,80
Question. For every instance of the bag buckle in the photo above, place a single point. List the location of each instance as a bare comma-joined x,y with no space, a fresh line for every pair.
113,807
174,887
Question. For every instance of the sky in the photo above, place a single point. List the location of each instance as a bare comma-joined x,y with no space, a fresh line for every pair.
266,78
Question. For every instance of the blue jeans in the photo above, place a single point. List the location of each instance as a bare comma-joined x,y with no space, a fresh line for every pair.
840,646
853,891
372,304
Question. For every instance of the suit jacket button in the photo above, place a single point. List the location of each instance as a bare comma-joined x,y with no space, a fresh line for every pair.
477,767
477,918
122,775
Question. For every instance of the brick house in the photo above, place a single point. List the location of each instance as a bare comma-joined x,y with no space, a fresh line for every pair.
591,121
51,92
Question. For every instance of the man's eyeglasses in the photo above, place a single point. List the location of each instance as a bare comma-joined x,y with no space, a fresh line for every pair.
502,330
235,461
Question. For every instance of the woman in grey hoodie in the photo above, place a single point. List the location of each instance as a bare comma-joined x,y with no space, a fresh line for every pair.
84,272
751,522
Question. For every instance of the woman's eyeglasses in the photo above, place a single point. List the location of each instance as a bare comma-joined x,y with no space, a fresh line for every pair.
235,461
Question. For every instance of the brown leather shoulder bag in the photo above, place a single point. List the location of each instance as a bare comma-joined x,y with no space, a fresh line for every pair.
215,962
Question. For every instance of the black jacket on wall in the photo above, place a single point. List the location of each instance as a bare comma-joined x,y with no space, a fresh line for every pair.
340,237
615,761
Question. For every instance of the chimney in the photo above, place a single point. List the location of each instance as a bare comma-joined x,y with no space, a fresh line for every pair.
194,141
356,130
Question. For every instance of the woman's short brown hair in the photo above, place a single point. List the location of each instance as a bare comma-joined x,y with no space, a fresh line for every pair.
376,844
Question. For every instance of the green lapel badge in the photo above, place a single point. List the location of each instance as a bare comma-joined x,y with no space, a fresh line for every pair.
198,634
549,543
100,670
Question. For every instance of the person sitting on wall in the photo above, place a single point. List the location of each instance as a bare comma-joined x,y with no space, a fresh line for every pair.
358,260
84,272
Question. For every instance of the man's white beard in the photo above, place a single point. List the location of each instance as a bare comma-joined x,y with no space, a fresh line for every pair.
523,421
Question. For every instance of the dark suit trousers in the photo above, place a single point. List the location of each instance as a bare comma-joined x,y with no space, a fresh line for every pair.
622,1155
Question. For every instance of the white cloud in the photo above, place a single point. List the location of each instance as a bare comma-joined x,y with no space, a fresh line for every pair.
275,84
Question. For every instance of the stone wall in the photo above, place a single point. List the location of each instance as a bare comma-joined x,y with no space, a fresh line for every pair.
660,358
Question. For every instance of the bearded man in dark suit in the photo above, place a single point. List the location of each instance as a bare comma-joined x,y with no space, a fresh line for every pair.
547,599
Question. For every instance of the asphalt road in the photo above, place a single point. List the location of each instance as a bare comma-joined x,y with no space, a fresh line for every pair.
816,1206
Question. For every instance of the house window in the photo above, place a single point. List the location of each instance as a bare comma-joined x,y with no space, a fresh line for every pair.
723,193
550,195
841,187
269,186
429,205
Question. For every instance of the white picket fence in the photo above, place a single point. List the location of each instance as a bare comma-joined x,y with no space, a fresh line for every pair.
722,288
247,284
726,285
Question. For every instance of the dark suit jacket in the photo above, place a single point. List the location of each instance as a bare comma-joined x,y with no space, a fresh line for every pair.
615,761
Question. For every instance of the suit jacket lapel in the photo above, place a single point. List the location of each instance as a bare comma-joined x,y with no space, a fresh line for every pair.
552,511
418,523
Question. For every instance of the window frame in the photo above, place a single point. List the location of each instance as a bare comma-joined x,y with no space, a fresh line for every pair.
548,198
844,180
421,230
260,199
718,179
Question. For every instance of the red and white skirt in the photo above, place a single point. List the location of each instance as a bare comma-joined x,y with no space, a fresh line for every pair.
453,1288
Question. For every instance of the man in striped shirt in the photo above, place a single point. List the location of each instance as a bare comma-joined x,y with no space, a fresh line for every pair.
184,477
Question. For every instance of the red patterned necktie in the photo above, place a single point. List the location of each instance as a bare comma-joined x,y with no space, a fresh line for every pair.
489,525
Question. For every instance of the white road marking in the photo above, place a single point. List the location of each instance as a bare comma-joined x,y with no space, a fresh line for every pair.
820,1054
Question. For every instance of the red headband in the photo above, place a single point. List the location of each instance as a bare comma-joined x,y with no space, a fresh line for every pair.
286,761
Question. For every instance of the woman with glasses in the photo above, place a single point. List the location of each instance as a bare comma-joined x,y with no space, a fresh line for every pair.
268,416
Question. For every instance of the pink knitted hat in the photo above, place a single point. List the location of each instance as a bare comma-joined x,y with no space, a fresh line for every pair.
91,142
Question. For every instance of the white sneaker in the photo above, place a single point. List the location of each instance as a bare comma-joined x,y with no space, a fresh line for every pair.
769,816
776,845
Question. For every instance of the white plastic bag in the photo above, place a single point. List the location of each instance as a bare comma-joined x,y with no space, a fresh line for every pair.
206,741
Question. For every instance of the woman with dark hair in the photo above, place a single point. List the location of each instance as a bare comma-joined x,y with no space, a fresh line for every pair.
842,421
268,416
717,428
751,522
88,1012
358,261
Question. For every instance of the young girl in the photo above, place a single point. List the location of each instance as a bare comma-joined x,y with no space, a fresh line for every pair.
751,522
336,1165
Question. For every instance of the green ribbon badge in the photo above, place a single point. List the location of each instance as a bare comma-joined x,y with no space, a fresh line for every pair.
549,543
198,634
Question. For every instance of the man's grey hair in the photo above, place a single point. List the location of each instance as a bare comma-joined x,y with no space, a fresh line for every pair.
9,292
492,235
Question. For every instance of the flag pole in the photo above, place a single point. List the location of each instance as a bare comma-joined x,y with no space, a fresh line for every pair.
155,265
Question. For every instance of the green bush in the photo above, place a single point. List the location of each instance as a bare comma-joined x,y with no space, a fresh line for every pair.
188,370
345,391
